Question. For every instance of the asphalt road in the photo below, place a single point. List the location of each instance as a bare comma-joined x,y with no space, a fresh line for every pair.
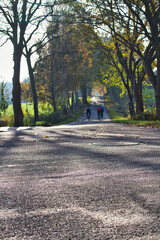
92,180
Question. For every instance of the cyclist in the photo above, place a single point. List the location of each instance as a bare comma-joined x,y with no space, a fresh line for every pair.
102,110
99,112
88,113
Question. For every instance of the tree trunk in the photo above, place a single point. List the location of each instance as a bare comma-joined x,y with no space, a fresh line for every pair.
84,94
131,107
77,102
34,94
139,97
68,101
131,103
72,102
157,90
18,114
52,86
155,80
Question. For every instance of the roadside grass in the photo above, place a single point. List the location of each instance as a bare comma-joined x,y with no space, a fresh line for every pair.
26,107
46,115
55,119
73,117
142,123
119,118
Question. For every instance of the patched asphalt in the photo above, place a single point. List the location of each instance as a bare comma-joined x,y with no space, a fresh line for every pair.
92,180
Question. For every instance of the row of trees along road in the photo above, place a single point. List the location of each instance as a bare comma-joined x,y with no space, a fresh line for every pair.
69,49
134,29
65,64
22,21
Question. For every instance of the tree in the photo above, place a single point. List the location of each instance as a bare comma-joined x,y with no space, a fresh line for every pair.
31,50
141,18
135,75
26,91
146,15
126,64
129,16
32,82
117,72
3,97
63,64
20,21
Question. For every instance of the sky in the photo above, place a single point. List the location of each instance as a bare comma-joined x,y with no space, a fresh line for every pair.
6,64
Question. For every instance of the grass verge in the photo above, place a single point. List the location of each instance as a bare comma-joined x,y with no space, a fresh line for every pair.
46,115
118,117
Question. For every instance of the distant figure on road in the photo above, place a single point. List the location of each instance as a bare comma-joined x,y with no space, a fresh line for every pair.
88,113
102,110
99,112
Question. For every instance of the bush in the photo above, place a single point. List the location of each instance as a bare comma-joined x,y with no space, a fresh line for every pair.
28,120
147,115
41,123
49,119
2,123
7,121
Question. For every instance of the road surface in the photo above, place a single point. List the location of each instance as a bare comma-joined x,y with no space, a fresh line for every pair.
92,180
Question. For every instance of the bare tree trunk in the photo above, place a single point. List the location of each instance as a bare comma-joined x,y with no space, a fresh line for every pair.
84,94
18,114
139,98
72,102
157,90
155,80
34,94
52,85
131,104
77,102
131,101
68,101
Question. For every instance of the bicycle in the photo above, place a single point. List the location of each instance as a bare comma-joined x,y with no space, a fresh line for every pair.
88,115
